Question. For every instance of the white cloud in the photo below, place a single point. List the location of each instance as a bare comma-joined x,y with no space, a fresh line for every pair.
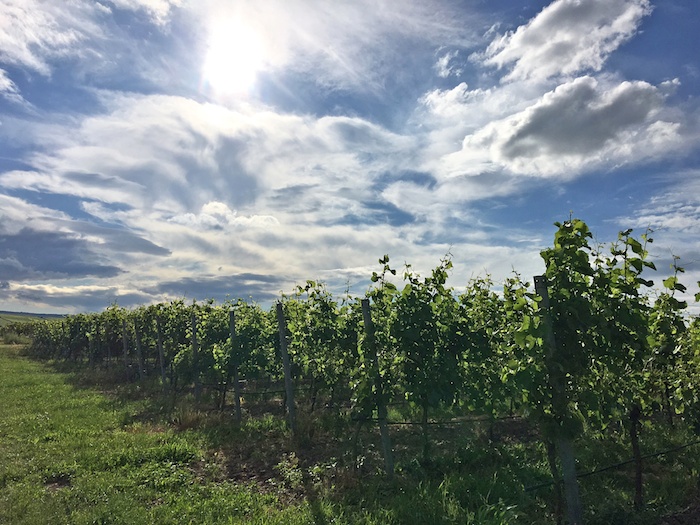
68,298
310,207
218,216
565,38
347,45
33,32
677,209
88,185
184,175
7,86
9,90
582,124
85,38
158,9
444,67
307,173
16,214
344,45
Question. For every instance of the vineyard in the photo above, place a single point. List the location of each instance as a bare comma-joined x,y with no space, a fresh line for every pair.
583,350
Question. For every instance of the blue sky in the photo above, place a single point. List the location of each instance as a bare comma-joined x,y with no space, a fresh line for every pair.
160,149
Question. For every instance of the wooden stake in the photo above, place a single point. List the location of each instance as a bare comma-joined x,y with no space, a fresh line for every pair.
556,381
125,345
380,402
195,358
139,351
288,385
235,356
161,353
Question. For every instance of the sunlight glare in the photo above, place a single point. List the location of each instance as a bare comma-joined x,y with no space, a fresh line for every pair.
235,56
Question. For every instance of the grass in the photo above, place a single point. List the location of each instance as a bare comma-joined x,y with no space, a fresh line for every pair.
71,455
78,446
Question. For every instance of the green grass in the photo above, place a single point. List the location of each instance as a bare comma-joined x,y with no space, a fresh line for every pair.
66,456
78,446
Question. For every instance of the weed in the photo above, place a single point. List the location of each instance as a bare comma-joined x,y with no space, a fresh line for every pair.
290,471
185,418
13,338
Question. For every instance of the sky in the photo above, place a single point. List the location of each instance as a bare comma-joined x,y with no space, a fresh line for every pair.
153,150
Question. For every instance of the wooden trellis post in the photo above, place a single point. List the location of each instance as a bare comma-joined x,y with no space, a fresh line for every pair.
371,347
125,345
288,385
161,353
139,351
195,358
235,356
557,384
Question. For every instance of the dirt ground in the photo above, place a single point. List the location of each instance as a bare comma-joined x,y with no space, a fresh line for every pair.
688,516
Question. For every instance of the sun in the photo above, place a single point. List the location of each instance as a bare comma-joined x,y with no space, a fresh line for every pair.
235,56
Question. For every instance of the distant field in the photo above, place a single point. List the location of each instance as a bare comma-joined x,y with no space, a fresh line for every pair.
20,317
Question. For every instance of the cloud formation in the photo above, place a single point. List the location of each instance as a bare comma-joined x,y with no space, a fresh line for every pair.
37,255
159,10
74,299
580,125
366,132
8,88
444,66
221,288
565,38
33,32
348,46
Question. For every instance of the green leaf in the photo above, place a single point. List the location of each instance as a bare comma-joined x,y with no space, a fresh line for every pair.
676,304
636,246
519,304
519,338
670,283
526,324
636,264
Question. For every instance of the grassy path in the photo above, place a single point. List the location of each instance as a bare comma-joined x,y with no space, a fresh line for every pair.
70,456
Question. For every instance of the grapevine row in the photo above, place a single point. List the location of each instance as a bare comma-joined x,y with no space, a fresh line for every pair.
587,346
